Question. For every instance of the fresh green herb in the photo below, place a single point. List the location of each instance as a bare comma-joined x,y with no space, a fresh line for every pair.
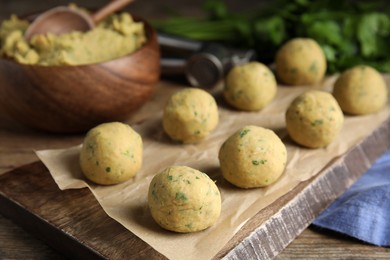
189,226
243,132
258,162
313,68
350,32
317,122
127,153
154,194
91,146
181,196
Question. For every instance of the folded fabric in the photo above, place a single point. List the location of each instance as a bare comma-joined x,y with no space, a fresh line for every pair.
363,211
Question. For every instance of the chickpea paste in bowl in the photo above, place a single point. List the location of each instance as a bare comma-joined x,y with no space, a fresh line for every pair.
116,36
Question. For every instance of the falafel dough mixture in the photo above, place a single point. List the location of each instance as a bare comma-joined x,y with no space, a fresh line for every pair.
116,36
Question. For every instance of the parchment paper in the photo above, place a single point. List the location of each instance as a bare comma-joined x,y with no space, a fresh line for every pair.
127,202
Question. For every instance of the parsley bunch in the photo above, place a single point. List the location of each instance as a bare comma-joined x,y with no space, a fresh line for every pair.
350,32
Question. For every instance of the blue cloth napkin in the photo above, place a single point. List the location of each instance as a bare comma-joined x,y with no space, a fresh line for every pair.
363,211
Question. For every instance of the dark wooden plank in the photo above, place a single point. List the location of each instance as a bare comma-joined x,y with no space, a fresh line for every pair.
70,221
272,229
314,244
73,222
16,243
16,149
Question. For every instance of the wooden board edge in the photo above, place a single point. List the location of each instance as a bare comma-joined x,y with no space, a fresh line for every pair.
59,237
291,214
44,230
295,215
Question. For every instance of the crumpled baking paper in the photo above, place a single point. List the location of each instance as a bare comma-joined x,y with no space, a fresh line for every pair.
127,202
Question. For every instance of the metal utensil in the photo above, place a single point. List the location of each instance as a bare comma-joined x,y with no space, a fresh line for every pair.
204,64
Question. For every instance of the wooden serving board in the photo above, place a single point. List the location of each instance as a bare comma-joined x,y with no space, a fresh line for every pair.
73,222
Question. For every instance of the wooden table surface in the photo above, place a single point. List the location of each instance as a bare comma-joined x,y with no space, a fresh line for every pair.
17,144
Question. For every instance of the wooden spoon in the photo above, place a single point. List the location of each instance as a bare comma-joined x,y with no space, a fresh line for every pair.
64,19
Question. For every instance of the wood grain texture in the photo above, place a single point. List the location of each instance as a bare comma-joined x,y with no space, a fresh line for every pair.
71,221
17,144
82,229
285,219
314,244
65,99
22,245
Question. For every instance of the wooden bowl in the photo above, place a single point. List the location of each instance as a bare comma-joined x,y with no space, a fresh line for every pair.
69,99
